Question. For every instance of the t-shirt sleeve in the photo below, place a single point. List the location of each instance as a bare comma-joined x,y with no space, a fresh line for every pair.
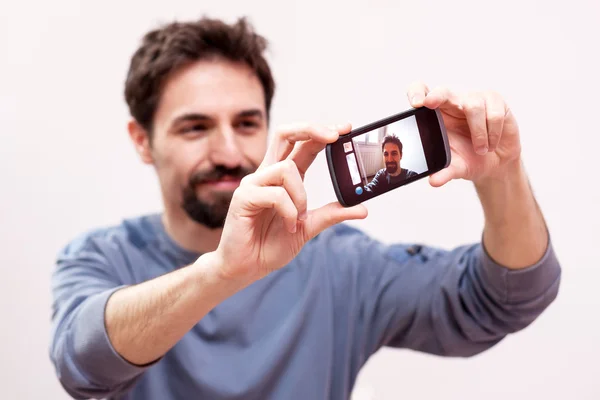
86,363
456,302
372,186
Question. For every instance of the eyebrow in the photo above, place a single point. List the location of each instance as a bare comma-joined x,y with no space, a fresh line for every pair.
203,117
251,113
190,117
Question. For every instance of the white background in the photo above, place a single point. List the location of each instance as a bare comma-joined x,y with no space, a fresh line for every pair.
66,164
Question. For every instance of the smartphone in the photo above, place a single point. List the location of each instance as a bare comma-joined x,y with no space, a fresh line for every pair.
387,154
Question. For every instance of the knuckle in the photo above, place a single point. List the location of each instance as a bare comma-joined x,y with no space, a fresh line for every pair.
495,117
245,181
303,200
280,195
472,104
289,167
479,135
495,95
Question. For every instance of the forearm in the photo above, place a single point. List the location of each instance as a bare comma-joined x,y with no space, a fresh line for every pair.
515,233
144,321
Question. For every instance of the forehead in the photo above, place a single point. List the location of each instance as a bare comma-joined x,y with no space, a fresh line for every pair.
390,147
212,87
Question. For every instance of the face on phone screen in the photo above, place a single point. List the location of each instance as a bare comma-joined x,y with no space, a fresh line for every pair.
386,155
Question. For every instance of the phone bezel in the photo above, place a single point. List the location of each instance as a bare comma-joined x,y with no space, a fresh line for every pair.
377,124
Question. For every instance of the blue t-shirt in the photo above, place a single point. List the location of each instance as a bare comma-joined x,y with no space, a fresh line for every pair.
383,181
302,332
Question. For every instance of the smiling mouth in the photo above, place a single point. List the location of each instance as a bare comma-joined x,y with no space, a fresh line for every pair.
224,183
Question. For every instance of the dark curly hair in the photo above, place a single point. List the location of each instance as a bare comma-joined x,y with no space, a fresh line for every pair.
392,139
172,46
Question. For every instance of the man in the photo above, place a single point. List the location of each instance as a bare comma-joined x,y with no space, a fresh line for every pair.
236,290
388,177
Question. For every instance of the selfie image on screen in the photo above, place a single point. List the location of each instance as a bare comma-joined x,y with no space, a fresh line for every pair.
385,157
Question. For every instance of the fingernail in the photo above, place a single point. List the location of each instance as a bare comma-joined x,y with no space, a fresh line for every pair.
294,228
303,215
417,100
482,150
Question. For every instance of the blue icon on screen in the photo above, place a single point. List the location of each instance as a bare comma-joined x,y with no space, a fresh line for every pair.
359,190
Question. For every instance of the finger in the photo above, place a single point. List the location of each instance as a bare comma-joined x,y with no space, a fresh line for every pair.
495,113
271,197
329,215
474,108
286,137
444,99
342,129
305,153
416,94
284,174
456,170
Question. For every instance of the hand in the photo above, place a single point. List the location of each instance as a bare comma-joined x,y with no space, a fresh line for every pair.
482,133
268,223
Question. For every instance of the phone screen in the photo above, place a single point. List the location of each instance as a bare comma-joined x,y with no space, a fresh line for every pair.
384,155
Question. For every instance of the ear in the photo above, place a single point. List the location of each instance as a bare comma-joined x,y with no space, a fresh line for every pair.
141,141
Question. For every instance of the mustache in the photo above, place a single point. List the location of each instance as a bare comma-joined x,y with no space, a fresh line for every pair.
218,173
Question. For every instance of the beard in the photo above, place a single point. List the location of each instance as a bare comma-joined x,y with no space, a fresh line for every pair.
391,167
210,213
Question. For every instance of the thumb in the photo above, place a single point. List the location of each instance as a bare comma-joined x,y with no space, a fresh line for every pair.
333,213
442,177
456,170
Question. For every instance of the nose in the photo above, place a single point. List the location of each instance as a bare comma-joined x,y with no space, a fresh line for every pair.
224,148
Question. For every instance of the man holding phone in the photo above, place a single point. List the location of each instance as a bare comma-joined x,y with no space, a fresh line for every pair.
393,173
237,290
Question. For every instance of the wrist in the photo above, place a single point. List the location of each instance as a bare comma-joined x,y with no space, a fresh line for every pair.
211,267
509,174
506,195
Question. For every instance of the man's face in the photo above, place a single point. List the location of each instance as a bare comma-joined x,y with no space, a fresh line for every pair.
210,130
391,157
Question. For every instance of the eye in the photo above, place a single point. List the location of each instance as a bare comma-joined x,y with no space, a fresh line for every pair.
194,129
245,124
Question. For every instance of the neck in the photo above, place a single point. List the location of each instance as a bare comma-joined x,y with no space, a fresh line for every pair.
398,172
189,234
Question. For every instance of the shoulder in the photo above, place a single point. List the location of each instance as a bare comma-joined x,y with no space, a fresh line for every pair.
343,244
135,231
340,233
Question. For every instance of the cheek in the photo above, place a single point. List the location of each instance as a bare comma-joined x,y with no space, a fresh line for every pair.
176,161
254,148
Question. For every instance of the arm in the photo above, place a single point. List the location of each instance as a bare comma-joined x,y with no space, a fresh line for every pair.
144,321
107,333
466,300
515,234
457,302
372,186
